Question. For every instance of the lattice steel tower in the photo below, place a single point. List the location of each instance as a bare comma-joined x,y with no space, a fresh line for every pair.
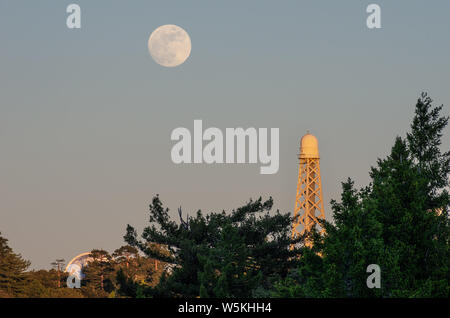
308,202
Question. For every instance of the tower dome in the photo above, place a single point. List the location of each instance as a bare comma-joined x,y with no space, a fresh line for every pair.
309,147
77,264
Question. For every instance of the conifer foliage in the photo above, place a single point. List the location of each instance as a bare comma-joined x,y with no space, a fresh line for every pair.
399,222
12,270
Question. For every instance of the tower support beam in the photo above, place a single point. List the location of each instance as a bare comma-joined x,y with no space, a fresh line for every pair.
309,201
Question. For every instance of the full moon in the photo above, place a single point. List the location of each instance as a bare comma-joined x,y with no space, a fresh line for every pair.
169,45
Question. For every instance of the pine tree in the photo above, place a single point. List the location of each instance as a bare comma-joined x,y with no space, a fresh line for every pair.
220,255
13,278
336,264
424,142
400,222
409,188
99,274
125,254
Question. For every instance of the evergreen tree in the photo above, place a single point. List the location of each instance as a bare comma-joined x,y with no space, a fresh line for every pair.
133,270
42,285
125,254
220,255
424,142
125,285
99,274
409,188
12,270
400,222
336,264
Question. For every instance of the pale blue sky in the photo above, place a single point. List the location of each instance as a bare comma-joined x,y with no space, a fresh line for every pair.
86,115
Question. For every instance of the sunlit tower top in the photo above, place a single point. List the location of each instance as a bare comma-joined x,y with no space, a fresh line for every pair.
308,202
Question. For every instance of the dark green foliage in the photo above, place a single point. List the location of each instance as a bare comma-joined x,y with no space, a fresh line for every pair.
16,282
125,255
410,190
117,275
399,222
336,265
99,274
126,285
220,255
12,270
423,143
133,270
43,284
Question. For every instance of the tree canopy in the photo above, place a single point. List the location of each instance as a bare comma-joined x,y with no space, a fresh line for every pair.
219,255
399,221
